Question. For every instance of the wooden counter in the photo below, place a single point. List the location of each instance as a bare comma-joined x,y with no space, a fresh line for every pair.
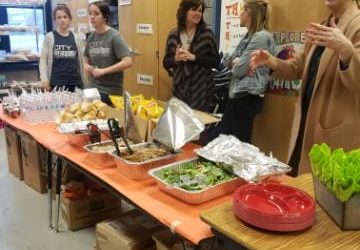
324,234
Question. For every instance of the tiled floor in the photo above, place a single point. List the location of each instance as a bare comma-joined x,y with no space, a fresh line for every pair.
24,217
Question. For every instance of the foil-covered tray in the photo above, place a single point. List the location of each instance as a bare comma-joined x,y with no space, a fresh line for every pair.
194,197
139,170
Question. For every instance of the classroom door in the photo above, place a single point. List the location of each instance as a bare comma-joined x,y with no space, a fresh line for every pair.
166,22
138,25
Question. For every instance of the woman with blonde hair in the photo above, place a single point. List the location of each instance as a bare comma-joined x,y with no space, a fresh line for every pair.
329,67
247,87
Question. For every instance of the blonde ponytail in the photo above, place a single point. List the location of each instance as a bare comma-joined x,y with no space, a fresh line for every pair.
259,11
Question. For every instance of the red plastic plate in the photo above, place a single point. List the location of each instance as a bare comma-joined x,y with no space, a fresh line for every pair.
274,206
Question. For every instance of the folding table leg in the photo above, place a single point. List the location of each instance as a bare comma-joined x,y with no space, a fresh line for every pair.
49,181
58,186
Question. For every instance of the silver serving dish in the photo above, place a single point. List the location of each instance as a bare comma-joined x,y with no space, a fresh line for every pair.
105,147
139,170
194,197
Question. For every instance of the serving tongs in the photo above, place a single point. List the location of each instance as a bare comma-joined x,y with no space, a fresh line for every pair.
116,132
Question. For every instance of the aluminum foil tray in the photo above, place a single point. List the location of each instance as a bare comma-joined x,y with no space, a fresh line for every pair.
102,158
90,147
139,170
194,197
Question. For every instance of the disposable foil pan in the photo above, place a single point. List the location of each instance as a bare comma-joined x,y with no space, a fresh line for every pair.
139,170
103,159
194,197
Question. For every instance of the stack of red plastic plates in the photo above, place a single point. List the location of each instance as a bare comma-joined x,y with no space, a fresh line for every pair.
274,207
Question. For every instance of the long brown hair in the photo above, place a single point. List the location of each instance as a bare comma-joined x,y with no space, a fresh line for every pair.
184,7
104,9
259,12
64,8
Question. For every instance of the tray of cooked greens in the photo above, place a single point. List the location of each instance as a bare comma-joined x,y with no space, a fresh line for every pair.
195,180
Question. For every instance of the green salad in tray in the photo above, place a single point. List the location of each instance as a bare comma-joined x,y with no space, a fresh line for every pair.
338,170
196,175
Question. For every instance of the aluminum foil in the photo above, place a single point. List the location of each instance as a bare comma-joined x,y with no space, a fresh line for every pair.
243,159
131,129
178,125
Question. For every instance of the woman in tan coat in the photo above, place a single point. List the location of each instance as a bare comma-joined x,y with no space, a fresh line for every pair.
329,67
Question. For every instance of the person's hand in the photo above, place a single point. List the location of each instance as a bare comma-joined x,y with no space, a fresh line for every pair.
251,72
235,61
261,57
88,68
181,55
46,85
96,72
330,37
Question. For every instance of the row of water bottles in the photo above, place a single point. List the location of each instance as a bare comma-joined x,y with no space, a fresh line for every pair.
43,107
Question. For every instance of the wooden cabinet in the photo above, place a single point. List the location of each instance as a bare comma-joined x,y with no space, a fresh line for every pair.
145,26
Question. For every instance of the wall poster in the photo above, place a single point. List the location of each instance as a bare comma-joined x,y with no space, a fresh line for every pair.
230,31
287,44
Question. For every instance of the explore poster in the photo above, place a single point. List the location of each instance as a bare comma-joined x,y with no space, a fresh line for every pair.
287,44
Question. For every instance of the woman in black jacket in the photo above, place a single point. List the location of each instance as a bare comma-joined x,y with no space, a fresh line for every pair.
191,53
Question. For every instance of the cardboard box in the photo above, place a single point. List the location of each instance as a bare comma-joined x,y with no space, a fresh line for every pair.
165,240
345,214
131,231
31,163
13,147
89,210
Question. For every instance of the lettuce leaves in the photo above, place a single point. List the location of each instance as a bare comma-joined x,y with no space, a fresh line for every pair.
338,170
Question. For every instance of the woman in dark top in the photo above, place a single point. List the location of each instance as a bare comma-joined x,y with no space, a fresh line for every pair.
191,53
61,60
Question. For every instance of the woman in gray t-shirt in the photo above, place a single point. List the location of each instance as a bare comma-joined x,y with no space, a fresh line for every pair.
106,54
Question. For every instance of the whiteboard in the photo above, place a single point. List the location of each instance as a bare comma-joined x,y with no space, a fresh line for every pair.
230,31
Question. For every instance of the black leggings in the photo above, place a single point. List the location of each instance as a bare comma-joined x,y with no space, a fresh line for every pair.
239,115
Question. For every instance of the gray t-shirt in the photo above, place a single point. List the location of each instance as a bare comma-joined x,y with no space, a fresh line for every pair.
105,50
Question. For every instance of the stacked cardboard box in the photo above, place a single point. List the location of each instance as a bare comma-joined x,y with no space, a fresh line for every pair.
89,210
13,147
31,163
130,231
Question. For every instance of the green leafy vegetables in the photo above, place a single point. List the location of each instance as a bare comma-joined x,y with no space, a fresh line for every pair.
195,176
339,171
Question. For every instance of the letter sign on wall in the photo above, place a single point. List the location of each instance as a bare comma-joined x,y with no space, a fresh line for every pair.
144,28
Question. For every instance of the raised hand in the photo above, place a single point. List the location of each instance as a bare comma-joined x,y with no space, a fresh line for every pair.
330,37
259,58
